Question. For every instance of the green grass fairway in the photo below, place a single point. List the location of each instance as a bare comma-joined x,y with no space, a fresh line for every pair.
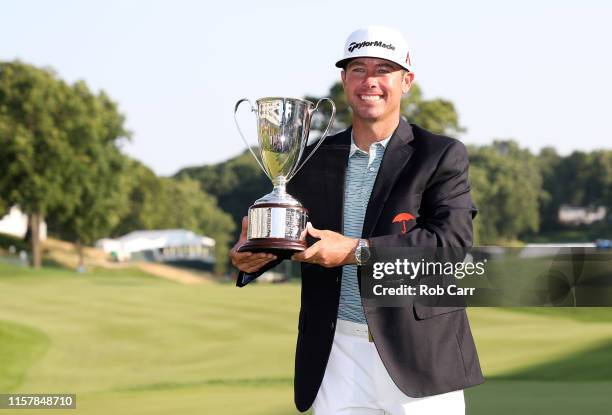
129,343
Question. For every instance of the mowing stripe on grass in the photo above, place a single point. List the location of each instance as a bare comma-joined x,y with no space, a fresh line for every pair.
20,347
257,381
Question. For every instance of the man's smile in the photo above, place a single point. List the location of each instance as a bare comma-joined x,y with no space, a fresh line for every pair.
370,97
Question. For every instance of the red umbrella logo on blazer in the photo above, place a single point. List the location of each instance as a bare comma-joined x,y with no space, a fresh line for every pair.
403,217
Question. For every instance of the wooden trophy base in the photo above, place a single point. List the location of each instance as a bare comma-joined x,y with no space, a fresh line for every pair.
282,248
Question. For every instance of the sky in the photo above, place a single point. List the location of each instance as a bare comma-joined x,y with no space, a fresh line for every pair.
538,72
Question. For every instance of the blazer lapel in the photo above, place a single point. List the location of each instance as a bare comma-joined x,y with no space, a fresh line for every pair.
396,157
336,162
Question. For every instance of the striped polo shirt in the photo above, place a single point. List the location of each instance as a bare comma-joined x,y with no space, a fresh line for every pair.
360,176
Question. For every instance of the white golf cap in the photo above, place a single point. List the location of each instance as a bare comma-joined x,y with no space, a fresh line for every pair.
377,42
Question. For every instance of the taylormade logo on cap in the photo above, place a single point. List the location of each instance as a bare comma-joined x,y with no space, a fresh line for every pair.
377,42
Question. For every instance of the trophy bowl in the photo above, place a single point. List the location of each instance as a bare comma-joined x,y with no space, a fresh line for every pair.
277,221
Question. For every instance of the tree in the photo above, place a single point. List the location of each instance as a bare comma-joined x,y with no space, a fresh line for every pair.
3,208
436,115
507,189
548,163
146,201
34,149
96,171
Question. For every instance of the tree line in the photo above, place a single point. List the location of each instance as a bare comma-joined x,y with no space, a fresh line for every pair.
61,161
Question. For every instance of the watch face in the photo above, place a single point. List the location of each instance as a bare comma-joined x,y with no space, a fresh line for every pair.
362,253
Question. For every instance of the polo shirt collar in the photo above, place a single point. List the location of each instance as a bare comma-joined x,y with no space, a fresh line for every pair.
354,147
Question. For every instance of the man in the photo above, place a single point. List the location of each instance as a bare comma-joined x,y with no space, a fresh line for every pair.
352,357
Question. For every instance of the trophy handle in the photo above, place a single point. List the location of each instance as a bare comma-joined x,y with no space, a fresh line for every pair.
329,124
253,109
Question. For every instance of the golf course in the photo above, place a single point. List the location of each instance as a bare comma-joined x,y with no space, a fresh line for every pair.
126,342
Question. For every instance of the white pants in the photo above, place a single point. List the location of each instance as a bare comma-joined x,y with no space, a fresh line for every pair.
357,383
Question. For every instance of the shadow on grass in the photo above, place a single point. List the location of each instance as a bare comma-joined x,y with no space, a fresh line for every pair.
587,314
514,397
578,383
594,364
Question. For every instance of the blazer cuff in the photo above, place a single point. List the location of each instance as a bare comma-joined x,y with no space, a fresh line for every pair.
244,277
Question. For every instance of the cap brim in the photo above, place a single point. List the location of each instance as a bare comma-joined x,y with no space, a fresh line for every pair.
343,62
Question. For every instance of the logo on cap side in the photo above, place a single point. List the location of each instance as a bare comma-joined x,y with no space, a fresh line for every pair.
378,43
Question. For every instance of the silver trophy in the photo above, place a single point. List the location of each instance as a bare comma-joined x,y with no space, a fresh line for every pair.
277,221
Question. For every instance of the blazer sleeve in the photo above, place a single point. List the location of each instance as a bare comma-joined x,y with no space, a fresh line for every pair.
446,207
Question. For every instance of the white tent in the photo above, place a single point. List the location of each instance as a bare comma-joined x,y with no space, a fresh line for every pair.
16,223
163,244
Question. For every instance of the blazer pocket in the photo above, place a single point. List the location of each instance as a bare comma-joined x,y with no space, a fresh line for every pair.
423,312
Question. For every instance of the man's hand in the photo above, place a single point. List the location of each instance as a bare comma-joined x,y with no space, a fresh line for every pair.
332,250
248,261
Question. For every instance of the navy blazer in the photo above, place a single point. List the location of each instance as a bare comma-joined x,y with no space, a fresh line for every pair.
426,350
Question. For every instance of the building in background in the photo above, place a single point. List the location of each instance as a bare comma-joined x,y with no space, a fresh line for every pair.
16,223
171,246
581,215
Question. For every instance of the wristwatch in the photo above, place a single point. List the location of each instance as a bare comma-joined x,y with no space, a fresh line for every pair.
362,252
